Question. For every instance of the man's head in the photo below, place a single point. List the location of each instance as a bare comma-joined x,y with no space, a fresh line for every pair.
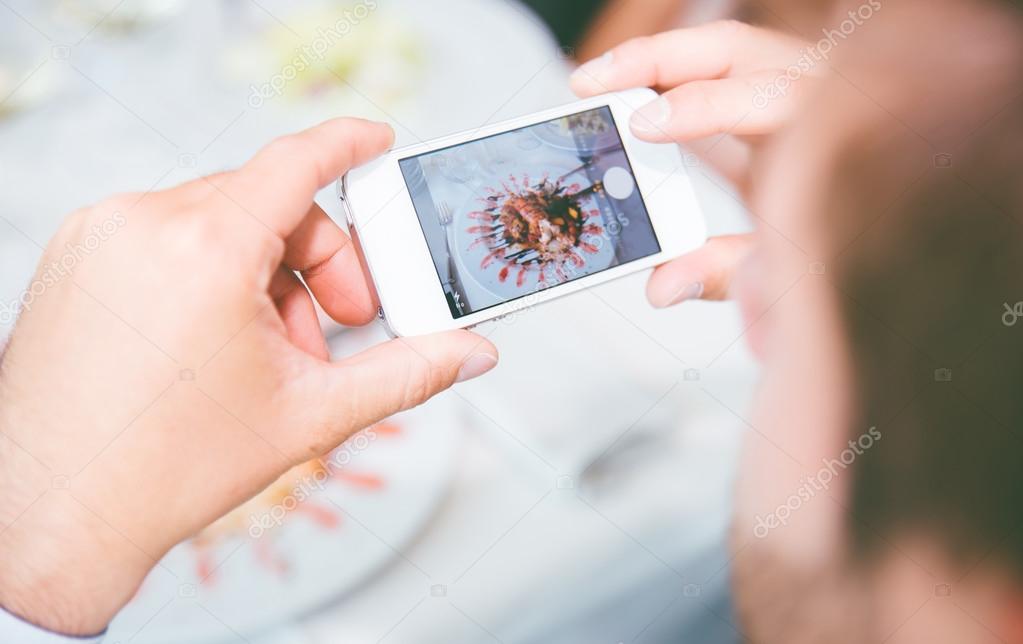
882,496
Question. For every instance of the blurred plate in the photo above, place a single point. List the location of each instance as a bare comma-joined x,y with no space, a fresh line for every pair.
328,544
555,134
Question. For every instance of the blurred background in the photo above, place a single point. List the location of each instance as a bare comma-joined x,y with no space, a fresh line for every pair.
579,493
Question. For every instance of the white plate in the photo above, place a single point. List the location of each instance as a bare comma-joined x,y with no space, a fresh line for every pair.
290,570
555,136
469,255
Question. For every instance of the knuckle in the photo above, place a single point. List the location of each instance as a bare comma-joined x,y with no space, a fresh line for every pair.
324,427
633,45
298,152
719,254
103,219
115,207
190,230
731,32
232,248
321,440
188,238
73,224
290,146
698,93
121,202
82,219
415,390
420,385
729,28
211,188
295,148
634,48
218,180
267,249
713,113
663,46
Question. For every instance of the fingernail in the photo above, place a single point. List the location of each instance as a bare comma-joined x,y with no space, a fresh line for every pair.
591,72
652,118
475,366
688,292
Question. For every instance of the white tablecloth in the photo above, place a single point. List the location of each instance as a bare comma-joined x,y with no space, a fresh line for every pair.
528,548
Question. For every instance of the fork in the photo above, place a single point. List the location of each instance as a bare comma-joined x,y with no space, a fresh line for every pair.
445,216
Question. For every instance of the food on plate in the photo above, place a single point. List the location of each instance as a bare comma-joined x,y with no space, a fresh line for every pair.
293,492
545,219
542,227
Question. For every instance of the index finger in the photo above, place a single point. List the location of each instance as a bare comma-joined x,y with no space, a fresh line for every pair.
277,185
321,251
668,59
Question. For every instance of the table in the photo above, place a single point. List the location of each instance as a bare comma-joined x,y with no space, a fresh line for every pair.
536,543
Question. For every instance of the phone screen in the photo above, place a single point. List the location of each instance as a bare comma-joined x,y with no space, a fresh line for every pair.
521,211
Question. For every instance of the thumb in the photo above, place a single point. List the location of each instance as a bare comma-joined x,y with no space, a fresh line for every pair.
402,373
705,273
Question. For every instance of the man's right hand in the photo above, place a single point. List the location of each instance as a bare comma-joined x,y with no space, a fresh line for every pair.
176,368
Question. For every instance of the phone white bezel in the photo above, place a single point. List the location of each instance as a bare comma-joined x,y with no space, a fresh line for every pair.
384,221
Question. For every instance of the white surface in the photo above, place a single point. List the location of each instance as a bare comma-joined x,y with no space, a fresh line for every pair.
258,583
14,629
521,558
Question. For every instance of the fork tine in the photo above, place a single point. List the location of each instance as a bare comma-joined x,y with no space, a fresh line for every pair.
444,213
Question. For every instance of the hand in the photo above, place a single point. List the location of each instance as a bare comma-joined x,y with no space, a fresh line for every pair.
725,86
170,366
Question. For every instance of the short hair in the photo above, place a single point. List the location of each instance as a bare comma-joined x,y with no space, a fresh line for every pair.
931,297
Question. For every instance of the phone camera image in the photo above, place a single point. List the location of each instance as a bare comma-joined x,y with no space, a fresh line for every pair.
525,210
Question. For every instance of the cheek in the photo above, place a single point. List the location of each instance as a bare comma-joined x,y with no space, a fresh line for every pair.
752,307
750,287
763,285
792,477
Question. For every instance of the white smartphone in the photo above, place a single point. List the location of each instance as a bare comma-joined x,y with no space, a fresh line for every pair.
476,225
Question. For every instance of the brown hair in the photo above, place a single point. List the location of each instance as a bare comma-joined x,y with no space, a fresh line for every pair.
929,289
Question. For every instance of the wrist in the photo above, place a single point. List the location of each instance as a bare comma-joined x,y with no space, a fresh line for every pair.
63,568
59,568
54,578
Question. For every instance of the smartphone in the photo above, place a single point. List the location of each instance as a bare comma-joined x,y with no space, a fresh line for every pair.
481,224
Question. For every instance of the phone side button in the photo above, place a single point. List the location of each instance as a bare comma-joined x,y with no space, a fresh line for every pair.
348,214
341,190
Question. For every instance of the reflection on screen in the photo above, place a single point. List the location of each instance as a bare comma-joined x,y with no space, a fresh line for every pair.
522,211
